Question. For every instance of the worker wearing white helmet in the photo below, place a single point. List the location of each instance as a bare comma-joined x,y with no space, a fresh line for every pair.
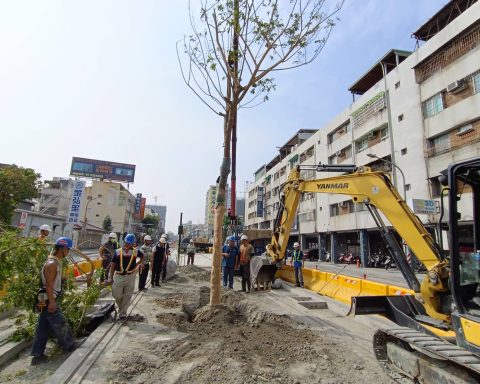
165,261
106,253
158,259
147,250
297,263
44,232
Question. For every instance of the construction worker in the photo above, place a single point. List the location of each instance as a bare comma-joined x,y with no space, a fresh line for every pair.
122,269
51,318
158,259
191,252
106,253
229,260
165,261
147,251
246,253
44,232
297,262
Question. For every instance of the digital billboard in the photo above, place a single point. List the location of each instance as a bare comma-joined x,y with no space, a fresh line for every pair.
98,169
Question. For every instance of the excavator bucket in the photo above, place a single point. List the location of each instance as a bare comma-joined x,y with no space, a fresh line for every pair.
262,271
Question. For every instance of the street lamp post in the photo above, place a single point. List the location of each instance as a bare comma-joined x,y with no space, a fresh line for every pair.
373,156
89,200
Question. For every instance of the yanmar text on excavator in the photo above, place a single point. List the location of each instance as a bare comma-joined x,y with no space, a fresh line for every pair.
437,339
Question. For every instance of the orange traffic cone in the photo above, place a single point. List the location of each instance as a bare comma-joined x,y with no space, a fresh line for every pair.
76,272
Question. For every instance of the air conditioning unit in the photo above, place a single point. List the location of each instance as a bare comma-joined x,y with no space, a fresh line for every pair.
340,153
456,86
371,135
342,204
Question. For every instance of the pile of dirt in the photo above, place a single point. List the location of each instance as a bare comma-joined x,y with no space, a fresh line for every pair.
131,365
171,300
195,273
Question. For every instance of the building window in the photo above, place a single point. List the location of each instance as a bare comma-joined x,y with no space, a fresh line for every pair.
403,151
465,129
384,133
407,187
435,186
433,105
397,85
400,117
362,144
476,83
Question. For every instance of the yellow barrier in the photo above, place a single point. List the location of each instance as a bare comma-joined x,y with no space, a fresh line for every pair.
84,267
341,287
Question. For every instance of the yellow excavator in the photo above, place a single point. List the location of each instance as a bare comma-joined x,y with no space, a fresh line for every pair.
437,337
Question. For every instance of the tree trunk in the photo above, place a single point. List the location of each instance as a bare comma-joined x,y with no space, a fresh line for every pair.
215,293
215,296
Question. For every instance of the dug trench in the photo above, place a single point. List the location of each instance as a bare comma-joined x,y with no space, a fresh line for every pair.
184,340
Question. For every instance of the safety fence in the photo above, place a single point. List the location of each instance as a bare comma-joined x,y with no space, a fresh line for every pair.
341,287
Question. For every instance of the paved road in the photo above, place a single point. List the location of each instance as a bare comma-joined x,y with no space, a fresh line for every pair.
391,276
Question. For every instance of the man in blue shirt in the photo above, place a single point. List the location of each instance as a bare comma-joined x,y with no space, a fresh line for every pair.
229,260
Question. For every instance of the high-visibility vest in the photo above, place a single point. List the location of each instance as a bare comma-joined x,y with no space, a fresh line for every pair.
297,255
133,257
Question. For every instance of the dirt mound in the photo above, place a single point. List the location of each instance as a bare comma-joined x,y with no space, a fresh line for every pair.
172,319
189,269
219,314
171,301
133,365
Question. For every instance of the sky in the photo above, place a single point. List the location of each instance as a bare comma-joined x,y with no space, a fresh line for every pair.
101,80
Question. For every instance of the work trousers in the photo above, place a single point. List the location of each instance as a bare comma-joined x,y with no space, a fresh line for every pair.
299,276
157,268
55,323
228,276
122,291
190,257
164,270
142,276
245,272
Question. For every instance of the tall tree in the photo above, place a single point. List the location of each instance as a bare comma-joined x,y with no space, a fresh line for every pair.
234,48
107,223
16,184
150,222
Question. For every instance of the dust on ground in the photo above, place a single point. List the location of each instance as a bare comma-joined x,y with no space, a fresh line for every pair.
186,340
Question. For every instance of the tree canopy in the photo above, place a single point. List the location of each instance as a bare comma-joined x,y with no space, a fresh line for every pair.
16,184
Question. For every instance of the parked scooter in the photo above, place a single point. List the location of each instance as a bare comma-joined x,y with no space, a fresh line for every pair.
347,258
389,262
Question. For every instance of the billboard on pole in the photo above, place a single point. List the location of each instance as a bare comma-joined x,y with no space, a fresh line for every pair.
75,202
99,169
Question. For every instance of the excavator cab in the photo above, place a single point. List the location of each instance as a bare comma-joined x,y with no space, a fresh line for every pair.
464,245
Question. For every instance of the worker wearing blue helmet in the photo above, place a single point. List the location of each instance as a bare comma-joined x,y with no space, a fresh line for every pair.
51,318
122,269
229,260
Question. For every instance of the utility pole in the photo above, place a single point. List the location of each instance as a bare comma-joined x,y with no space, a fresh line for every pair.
180,232
233,177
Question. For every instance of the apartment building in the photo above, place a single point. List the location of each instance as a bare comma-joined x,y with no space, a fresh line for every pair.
55,196
161,211
104,198
416,110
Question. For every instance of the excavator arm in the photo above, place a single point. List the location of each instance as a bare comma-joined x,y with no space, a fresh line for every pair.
376,191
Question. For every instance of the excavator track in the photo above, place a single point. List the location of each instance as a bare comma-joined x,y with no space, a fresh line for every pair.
409,356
